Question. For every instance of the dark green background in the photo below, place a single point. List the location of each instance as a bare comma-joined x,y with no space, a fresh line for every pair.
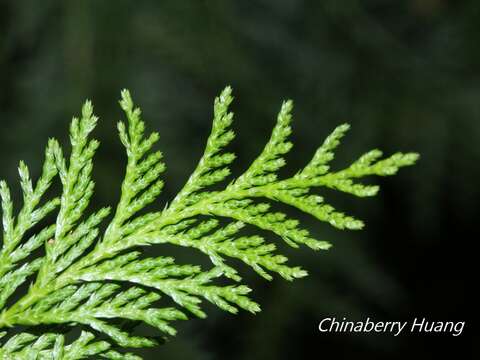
405,74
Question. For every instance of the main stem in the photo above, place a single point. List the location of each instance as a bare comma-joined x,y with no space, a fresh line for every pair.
108,249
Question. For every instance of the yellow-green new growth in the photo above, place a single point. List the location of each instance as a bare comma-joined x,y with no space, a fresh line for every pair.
76,280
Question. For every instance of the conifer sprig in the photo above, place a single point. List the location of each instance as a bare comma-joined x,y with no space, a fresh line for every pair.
89,279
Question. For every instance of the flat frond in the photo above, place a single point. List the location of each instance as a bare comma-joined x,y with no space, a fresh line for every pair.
102,281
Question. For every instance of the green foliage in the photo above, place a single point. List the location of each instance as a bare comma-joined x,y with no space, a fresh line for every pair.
89,279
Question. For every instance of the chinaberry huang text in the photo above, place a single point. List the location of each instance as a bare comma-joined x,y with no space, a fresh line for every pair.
418,325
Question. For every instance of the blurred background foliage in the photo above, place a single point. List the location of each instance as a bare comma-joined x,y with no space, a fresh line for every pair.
404,73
